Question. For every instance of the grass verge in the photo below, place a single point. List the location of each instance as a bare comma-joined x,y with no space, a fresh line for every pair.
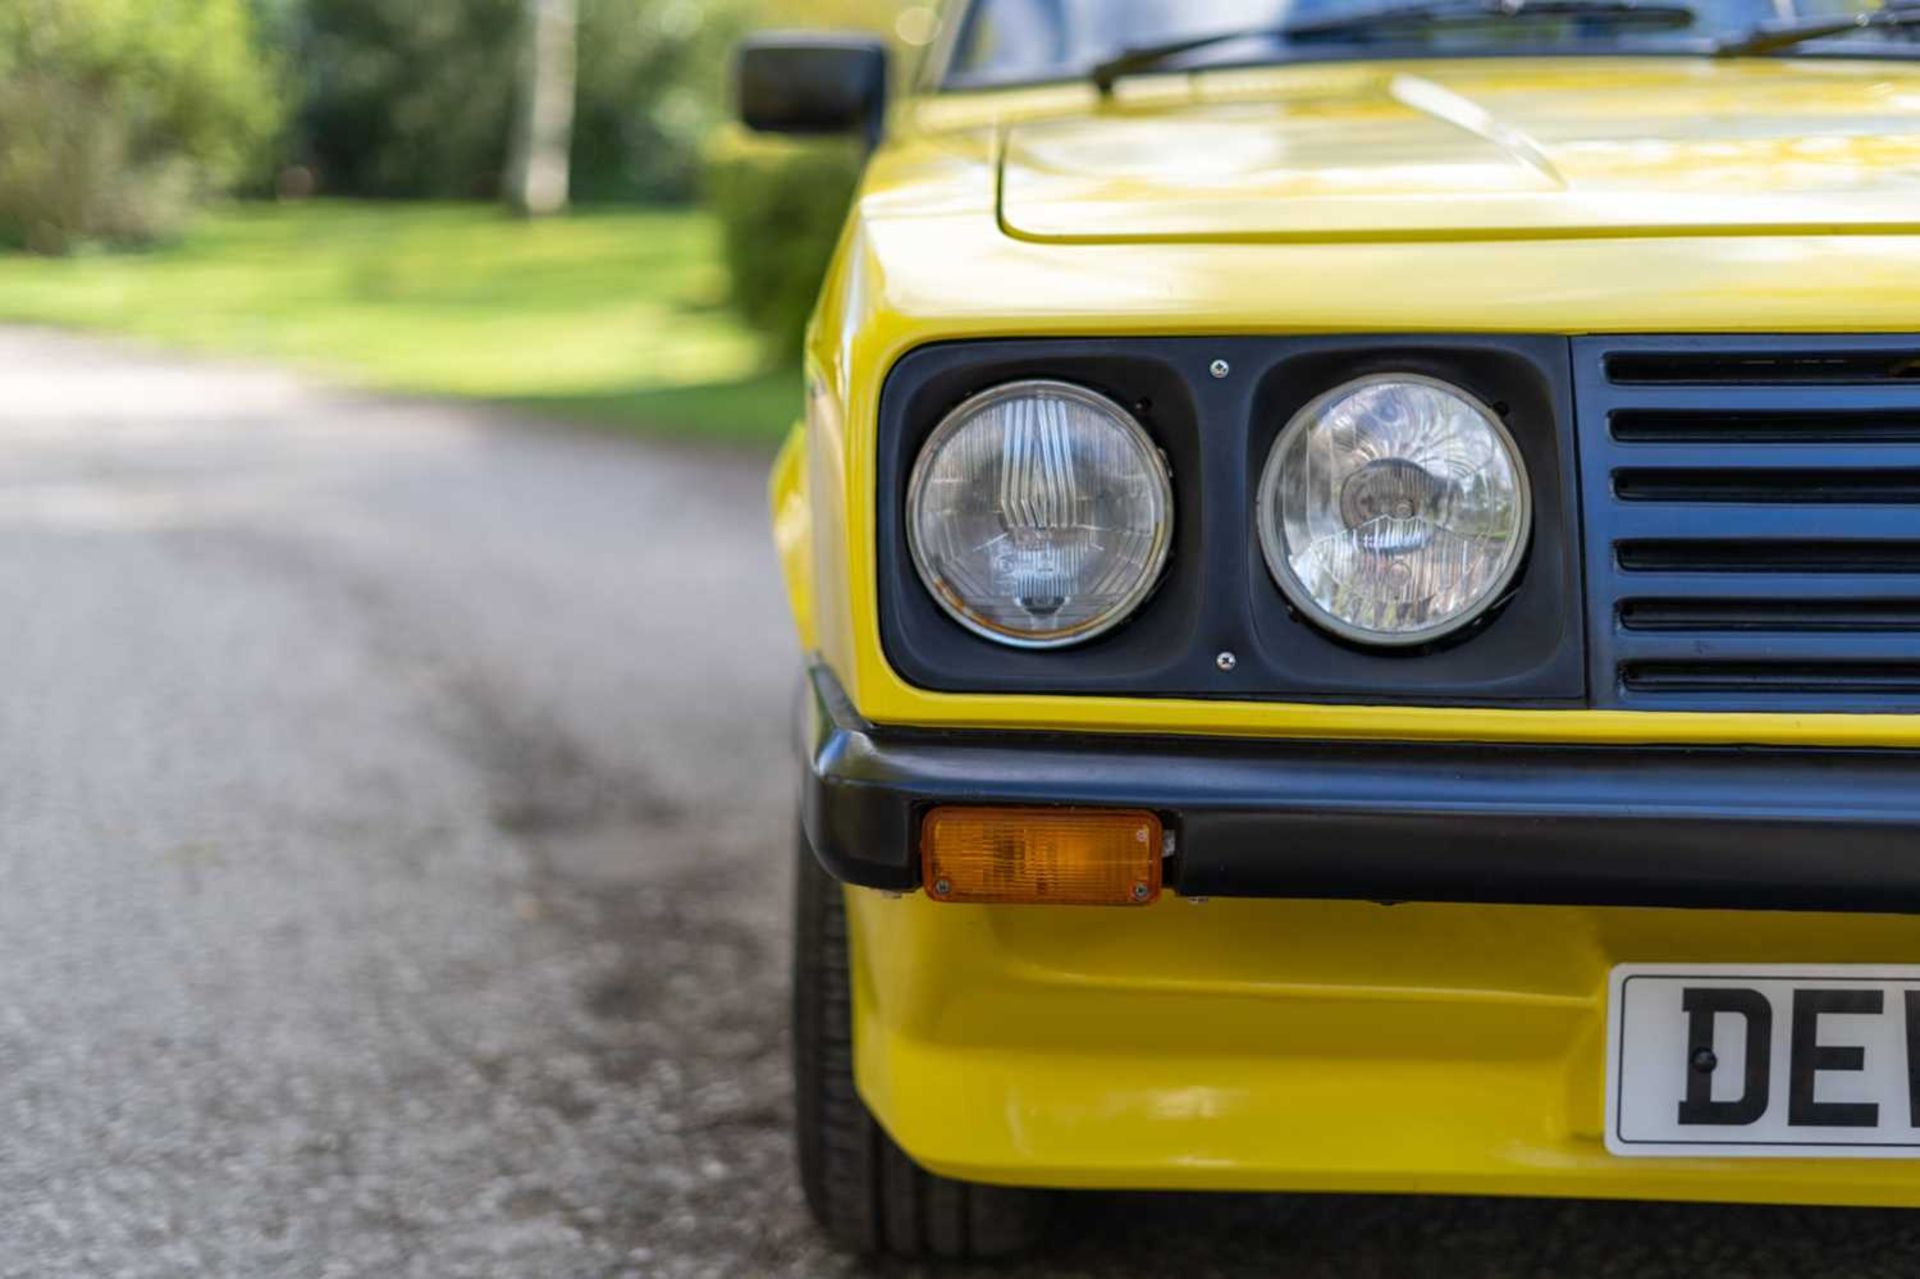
607,316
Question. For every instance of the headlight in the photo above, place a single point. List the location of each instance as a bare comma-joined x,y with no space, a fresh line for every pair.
1039,514
1394,509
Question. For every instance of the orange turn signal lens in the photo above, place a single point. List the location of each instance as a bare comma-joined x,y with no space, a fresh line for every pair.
1043,856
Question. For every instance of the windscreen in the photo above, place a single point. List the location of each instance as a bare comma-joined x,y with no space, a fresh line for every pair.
1011,41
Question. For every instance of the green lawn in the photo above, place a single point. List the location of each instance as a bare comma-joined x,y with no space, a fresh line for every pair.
607,316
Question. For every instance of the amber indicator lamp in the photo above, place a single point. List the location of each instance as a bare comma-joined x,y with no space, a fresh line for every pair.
1041,856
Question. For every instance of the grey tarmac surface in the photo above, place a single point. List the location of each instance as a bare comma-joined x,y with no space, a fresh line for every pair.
394,811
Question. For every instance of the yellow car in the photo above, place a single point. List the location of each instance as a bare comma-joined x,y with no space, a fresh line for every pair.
1361,574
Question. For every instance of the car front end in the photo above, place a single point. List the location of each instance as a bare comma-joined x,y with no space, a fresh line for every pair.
1338,593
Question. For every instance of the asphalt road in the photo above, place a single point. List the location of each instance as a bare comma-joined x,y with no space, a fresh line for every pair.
393,871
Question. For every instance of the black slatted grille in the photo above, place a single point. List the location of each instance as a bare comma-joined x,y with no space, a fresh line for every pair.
1753,522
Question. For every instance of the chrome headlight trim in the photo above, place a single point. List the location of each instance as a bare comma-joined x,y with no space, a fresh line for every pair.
1268,523
1154,466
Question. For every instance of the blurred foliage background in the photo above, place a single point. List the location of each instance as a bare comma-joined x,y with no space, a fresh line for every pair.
318,182
115,115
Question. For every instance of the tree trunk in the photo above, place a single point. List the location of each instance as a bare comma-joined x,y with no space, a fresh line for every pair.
537,170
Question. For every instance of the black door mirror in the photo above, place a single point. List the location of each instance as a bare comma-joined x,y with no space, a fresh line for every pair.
808,82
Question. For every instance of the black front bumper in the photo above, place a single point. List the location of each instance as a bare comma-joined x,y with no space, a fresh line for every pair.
1727,827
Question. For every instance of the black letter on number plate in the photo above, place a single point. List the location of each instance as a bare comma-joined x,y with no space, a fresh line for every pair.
1702,1005
1810,1057
1913,1057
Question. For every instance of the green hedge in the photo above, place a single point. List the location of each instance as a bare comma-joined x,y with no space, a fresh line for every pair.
116,114
781,205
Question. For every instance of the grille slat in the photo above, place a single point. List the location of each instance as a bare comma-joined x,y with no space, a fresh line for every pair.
1846,404
1801,678
1764,367
1781,524
1730,566
1798,486
1695,615
1763,646
1754,426
1756,555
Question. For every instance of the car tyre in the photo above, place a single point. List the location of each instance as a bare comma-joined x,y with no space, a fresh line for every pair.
865,1191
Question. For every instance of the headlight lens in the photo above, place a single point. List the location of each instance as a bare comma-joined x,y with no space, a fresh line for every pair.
1394,509
1039,514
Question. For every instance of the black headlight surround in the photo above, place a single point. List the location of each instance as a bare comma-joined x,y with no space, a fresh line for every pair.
1216,595
932,650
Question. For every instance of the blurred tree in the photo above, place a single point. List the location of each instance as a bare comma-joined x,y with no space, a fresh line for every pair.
406,99
652,84
417,98
116,114
543,121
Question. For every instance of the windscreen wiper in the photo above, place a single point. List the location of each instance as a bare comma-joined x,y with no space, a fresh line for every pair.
1772,39
1414,13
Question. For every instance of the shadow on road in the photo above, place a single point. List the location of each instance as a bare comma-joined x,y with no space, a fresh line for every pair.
1360,1237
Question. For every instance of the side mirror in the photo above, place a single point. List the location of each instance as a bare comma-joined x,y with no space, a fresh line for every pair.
808,82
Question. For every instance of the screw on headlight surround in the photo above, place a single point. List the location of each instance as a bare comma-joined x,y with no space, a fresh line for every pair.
1394,509
1039,514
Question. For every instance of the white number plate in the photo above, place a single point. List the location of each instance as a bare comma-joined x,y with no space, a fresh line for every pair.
1729,1060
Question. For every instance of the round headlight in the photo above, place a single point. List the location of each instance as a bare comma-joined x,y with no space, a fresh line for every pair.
1394,509
1039,514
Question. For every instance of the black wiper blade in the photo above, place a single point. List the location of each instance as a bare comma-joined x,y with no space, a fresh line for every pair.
1415,12
1148,56
1771,38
